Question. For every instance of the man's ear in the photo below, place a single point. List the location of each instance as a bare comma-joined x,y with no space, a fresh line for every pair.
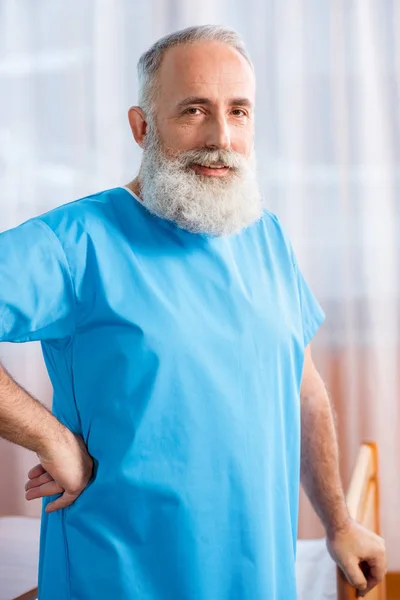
138,123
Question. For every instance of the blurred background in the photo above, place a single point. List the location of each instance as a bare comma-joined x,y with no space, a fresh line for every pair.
328,146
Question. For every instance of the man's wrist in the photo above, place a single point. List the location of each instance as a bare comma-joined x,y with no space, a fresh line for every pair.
55,438
340,524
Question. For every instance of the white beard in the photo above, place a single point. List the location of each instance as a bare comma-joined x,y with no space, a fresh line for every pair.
212,205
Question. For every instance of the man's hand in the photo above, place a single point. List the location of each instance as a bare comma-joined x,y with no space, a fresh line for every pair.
360,554
64,469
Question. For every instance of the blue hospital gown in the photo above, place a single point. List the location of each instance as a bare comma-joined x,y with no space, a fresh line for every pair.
178,358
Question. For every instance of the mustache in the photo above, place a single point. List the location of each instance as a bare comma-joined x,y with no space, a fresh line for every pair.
207,157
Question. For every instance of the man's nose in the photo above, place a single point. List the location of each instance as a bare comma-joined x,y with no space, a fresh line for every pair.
218,135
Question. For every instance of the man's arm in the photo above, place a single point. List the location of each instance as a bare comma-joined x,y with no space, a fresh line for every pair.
65,466
348,542
319,451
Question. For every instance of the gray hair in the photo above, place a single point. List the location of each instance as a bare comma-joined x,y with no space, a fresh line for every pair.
149,63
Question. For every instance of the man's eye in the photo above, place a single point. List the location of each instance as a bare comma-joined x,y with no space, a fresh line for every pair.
239,112
192,111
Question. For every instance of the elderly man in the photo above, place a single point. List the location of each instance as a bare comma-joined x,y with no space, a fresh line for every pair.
175,325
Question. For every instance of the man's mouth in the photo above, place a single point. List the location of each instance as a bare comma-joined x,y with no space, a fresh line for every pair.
213,170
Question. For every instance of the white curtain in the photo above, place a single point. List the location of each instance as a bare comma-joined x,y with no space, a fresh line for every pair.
328,125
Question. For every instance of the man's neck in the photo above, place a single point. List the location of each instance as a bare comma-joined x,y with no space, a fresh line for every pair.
134,186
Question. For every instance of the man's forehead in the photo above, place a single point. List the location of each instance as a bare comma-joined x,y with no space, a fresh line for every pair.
206,68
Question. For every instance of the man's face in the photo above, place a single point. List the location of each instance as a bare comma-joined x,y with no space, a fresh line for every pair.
205,99
198,167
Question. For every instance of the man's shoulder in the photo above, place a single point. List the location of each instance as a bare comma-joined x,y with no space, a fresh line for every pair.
274,229
270,218
82,215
